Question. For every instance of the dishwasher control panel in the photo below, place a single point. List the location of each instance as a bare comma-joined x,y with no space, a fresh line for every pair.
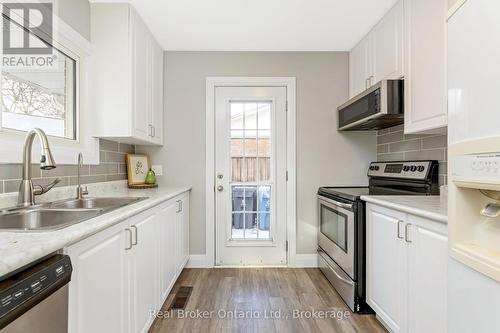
26,288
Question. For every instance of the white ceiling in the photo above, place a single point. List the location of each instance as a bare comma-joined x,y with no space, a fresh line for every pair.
259,25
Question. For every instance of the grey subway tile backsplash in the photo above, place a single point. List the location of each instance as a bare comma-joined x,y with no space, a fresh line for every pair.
409,145
394,145
390,137
112,167
115,157
107,145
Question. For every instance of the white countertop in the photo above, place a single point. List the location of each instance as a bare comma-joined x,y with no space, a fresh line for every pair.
18,249
431,207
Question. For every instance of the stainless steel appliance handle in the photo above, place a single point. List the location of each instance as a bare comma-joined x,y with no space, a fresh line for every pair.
407,233
399,229
351,283
336,203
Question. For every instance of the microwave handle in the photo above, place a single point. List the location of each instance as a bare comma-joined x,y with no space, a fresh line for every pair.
337,203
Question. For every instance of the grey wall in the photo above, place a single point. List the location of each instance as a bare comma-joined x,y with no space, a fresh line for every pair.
76,13
324,156
394,145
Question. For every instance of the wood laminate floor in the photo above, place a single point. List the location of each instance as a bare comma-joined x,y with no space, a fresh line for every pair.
264,300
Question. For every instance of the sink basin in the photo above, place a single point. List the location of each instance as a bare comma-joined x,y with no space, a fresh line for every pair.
44,218
90,203
57,215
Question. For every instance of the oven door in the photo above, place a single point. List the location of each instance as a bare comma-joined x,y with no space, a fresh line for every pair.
336,232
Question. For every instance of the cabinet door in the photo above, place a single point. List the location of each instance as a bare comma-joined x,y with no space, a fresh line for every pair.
168,269
387,45
99,287
179,238
185,230
157,93
387,266
145,269
141,77
428,260
425,73
359,67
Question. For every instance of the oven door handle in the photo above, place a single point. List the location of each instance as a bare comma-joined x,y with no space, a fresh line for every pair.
336,203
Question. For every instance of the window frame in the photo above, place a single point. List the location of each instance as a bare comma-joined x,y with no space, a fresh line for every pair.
65,150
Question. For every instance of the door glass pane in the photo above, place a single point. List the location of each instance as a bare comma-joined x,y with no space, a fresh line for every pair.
251,178
334,226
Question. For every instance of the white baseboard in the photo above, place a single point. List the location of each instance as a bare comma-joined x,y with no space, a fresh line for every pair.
197,261
306,260
301,260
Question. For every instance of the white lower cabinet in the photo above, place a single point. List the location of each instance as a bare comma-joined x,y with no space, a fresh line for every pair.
144,269
406,270
174,243
99,287
122,274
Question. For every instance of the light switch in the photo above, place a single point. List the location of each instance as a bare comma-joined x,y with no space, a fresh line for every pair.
158,169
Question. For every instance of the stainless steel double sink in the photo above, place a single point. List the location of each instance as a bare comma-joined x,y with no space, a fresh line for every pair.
59,214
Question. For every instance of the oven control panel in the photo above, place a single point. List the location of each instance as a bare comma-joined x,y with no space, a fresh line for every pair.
407,170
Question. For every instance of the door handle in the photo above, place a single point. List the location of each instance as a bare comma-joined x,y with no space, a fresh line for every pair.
220,188
399,229
150,130
179,206
407,233
135,229
129,238
366,83
154,131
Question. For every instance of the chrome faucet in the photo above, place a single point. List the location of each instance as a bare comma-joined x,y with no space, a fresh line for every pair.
80,191
27,191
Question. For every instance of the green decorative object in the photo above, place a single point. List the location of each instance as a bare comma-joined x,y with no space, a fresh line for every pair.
150,177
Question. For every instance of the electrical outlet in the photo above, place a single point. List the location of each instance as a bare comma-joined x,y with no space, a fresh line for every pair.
158,169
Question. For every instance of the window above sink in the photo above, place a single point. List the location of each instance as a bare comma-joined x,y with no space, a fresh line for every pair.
44,84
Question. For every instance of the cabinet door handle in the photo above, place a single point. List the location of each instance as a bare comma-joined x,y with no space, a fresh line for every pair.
135,229
150,131
366,83
399,229
154,132
179,206
407,233
370,80
129,238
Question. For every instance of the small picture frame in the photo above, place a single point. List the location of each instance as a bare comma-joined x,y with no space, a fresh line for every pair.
138,166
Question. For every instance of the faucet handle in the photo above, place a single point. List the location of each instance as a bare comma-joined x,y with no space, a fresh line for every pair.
39,189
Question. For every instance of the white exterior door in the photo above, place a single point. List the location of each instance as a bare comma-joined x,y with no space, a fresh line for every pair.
250,175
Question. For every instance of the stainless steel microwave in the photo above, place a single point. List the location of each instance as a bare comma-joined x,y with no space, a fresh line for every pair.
378,107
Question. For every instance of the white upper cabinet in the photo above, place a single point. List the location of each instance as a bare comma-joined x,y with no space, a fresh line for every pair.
359,67
387,45
425,67
156,115
126,76
379,55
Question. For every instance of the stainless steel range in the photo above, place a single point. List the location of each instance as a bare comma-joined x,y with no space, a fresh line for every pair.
342,230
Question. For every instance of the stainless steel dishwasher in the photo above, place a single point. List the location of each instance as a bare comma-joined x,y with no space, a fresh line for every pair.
35,299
